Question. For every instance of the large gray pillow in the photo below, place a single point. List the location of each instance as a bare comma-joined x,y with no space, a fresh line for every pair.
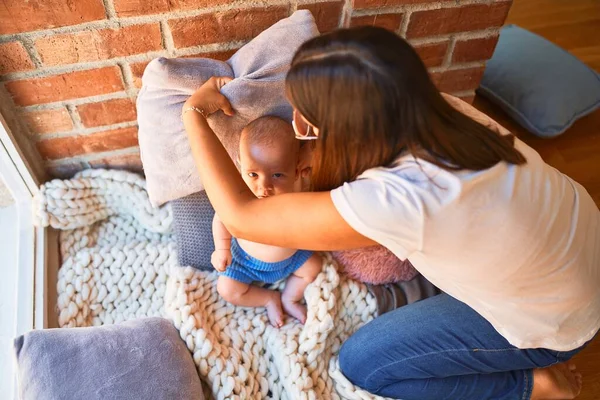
259,69
140,359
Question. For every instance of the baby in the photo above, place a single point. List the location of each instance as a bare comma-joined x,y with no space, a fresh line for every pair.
269,159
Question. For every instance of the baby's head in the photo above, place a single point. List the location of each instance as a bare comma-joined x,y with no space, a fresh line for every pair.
269,155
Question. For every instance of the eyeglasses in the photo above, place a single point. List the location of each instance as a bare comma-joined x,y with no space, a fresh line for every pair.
303,130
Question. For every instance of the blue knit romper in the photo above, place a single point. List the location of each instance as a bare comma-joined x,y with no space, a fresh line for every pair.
247,269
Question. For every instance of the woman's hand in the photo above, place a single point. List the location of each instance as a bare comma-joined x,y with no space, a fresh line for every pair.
209,98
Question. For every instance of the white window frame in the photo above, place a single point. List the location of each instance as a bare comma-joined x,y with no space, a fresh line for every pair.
31,303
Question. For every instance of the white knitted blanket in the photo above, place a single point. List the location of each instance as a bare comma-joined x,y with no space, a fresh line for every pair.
119,262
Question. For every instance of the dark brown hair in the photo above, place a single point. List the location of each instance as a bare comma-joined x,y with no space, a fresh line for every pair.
370,96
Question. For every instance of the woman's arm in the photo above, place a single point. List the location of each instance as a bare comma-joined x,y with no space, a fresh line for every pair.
296,220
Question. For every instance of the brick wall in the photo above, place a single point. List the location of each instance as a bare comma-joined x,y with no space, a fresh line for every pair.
73,67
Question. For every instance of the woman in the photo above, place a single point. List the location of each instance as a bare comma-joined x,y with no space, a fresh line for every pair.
514,243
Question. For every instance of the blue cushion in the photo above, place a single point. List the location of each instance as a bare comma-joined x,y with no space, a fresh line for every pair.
543,87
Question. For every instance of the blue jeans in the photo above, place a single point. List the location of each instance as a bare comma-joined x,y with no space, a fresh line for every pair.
440,348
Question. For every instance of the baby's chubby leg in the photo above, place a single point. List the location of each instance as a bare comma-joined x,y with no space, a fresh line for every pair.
293,293
243,294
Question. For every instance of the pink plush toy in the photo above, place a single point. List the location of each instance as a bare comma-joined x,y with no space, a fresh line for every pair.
374,264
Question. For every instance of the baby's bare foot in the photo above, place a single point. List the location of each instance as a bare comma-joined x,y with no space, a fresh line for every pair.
559,381
295,309
274,311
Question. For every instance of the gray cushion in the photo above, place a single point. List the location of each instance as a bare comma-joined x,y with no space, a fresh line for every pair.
192,223
543,87
140,359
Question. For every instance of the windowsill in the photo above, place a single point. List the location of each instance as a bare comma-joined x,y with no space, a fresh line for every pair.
24,250
9,248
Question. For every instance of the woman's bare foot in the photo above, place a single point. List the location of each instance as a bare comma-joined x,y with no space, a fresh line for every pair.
295,309
274,310
559,381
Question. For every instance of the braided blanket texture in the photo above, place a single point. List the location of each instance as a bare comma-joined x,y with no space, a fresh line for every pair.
119,262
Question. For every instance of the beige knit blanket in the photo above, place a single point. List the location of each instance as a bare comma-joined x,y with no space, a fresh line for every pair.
119,263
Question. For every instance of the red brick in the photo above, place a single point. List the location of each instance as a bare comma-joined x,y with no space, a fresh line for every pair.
53,149
219,55
327,14
457,19
385,3
25,16
474,49
388,21
458,80
126,8
137,70
49,121
215,55
107,112
432,54
130,162
14,58
224,26
94,45
67,86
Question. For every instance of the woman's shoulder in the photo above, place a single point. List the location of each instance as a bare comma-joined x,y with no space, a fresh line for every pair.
408,180
410,169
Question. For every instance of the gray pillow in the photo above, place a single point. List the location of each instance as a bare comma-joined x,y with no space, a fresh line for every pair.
541,86
192,224
140,359
258,89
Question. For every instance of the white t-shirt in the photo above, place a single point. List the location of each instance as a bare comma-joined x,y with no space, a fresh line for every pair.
519,244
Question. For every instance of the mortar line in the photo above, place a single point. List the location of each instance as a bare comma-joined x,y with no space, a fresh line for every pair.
405,21
127,75
84,131
477,34
32,52
465,65
347,13
450,52
292,6
77,123
167,35
75,102
456,67
109,8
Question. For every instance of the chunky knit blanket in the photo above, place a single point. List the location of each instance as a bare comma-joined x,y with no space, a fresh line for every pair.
119,263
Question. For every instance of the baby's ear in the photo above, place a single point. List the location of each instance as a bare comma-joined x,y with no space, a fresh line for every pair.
298,169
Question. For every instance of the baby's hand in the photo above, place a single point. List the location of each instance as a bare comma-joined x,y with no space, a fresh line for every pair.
221,259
